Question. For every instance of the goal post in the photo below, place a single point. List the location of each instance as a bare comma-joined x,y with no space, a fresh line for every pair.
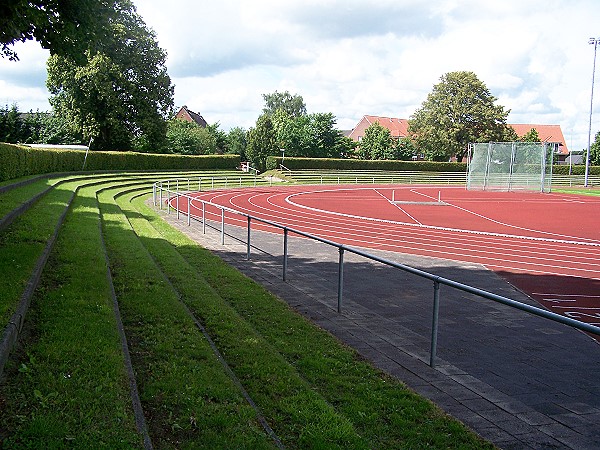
510,166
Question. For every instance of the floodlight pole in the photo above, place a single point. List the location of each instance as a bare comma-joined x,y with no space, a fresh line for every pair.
595,42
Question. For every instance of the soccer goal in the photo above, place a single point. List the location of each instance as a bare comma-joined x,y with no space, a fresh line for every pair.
510,166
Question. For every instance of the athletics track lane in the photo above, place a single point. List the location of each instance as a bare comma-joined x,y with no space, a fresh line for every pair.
545,244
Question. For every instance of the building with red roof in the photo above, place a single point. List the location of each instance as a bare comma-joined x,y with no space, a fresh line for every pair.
190,116
551,134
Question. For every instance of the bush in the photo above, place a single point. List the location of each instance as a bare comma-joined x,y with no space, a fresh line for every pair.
273,162
18,161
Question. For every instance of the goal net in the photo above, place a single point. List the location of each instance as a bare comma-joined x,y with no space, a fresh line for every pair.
510,166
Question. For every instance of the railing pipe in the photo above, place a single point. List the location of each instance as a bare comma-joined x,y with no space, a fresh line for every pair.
285,252
223,226
189,215
340,279
434,324
248,241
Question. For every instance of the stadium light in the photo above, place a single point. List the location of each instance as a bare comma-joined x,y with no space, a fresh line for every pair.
594,42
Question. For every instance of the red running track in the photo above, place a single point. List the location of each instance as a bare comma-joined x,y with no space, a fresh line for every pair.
548,245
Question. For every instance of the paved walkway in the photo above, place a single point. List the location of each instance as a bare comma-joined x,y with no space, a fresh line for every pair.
517,380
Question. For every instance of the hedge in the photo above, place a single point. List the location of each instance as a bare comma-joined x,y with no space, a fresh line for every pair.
563,169
273,162
18,161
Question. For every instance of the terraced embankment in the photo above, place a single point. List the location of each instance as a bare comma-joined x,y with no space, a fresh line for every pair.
131,336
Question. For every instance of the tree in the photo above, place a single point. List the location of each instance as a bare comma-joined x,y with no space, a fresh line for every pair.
293,105
189,138
63,27
459,110
262,142
220,137
237,141
403,150
35,128
122,92
11,125
376,143
310,135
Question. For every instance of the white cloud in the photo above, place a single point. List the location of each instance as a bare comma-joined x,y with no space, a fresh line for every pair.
352,57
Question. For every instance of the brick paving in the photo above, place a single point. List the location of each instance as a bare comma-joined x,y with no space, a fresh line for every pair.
517,380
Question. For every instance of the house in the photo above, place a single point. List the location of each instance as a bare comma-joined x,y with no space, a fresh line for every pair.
551,134
190,116
398,127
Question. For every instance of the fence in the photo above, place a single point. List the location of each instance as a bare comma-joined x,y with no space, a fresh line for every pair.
162,194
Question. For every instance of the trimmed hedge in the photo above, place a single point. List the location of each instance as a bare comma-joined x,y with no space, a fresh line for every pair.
18,161
273,162
359,164
563,169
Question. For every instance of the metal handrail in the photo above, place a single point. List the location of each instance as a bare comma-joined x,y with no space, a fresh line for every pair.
437,280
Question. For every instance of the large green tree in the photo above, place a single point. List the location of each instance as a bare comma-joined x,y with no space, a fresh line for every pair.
122,92
293,105
459,110
64,27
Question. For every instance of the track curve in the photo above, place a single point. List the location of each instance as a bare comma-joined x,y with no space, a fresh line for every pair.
546,244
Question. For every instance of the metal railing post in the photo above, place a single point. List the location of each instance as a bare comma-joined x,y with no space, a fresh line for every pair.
434,322
203,218
340,279
199,184
248,240
160,197
285,252
222,226
154,194
168,201
177,200
189,211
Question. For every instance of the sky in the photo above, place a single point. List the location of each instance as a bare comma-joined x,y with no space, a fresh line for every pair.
355,58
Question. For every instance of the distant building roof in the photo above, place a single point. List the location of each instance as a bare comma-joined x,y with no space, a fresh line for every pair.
399,128
547,133
185,114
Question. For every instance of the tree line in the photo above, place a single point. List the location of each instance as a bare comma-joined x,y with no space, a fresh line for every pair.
110,89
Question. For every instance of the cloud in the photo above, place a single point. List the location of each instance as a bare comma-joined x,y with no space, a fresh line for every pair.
353,58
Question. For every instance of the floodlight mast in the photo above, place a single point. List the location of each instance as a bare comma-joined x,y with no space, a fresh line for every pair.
594,42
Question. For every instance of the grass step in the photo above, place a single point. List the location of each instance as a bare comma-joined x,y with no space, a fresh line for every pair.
22,243
188,399
296,413
68,387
